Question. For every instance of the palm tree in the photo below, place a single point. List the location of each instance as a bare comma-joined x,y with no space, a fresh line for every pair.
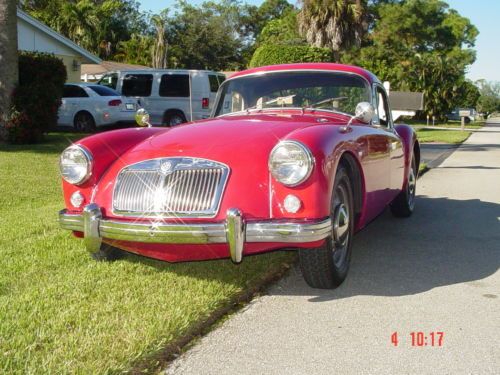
334,24
8,54
160,47
79,22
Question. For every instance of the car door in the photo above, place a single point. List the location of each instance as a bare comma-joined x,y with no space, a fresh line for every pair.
74,100
394,142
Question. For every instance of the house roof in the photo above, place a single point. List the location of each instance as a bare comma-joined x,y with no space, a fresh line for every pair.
51,33
108,66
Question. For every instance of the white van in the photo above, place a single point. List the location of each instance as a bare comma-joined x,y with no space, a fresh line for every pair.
171,96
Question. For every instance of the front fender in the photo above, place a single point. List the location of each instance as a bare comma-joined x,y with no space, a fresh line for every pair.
105,148
410,145
327,144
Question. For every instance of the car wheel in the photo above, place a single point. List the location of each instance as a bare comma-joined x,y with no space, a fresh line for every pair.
173,119
404,204
84,122
326,267
467,120
108,253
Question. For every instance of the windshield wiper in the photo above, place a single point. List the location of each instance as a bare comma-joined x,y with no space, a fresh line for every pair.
328,100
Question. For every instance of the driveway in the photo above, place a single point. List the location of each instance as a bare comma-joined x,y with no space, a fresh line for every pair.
434,272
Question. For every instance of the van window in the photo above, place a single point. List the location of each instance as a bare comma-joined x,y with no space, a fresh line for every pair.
214,82
109,80
174,85
137,84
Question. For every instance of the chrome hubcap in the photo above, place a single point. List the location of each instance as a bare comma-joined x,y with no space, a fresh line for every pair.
412,182
340,223
341,230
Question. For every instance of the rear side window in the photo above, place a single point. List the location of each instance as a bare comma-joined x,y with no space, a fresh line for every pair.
103,90
214,82
137,84
72,91
174,85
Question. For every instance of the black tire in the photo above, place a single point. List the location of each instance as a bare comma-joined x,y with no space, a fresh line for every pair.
173,118
404,204
467,120
84,122
108,253
326,267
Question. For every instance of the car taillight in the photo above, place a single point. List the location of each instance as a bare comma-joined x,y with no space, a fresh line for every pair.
205,103
114,102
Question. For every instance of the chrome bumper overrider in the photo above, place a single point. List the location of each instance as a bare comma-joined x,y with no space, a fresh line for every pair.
234,230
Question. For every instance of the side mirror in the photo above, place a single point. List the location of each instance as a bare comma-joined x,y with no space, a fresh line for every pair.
142,117
364,112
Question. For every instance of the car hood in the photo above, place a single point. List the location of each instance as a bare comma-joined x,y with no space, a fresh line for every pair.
243,135
243,143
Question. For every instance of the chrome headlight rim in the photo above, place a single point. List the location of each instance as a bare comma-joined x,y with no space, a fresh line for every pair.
309,157
90,164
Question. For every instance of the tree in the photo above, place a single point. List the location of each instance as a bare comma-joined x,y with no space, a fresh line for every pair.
489,101
96,25
335,24
282,30
206,36
8,54
160,47
420,45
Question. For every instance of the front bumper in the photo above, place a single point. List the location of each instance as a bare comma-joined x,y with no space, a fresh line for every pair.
234,231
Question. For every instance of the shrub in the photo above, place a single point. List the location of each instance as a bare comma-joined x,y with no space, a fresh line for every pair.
37,97
285,54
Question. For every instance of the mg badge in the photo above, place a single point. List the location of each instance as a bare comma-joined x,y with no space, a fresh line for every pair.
166,167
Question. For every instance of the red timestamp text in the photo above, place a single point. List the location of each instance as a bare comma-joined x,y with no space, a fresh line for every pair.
420,339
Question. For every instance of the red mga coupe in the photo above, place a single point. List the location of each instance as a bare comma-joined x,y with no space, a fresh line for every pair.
296,156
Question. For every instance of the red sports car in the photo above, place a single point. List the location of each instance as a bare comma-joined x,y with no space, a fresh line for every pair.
294,156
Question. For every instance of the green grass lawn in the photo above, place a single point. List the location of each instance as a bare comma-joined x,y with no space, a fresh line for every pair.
61,312
445,136
450,124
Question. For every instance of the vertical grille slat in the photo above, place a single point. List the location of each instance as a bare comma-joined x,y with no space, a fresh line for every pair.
189,187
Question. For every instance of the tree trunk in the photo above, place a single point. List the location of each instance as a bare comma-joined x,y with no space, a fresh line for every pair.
8,53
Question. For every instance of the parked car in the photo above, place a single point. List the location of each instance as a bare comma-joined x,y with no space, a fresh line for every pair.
294,156
455,115
171,96
88,106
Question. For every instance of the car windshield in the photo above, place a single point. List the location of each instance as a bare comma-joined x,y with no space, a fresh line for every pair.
333,91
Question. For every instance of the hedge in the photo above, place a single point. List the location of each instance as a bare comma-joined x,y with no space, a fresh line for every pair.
37,97
285,54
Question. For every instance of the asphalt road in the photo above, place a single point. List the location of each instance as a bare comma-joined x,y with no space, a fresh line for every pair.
437,271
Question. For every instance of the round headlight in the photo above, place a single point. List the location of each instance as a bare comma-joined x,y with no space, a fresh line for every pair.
75,165
290,163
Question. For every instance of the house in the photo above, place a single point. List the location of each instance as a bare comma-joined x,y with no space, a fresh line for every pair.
34,36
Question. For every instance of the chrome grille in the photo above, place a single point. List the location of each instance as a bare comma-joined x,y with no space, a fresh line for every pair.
170,187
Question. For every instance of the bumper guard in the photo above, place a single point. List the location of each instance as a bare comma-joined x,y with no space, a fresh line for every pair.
234,231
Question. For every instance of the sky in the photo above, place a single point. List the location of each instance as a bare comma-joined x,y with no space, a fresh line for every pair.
484,14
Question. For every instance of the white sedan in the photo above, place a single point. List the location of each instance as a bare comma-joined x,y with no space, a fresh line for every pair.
86,106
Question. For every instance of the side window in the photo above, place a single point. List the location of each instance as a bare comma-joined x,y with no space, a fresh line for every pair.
174,85
137,84
221,78
382,108
72,91
67,91
109,80
214,82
